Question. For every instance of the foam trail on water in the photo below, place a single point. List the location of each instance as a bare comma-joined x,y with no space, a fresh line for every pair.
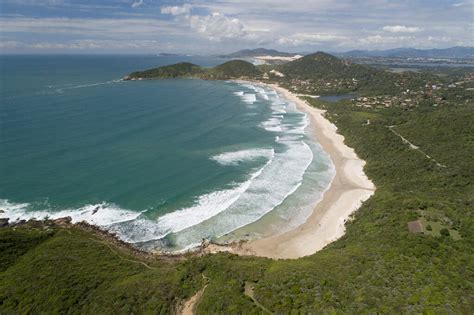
81,86
103,214
236,157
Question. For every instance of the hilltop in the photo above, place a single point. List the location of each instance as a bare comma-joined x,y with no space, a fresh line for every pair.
321,74
323,65
234,69
181,69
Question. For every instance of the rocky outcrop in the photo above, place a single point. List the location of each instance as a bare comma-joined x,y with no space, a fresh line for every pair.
63,221
4,222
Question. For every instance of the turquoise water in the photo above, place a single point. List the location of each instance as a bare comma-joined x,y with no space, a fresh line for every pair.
162,163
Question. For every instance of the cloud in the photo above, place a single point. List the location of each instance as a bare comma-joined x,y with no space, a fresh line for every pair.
214,26
217,26
309,39
87,45
136,4
401,29
195,26
106,27
177,10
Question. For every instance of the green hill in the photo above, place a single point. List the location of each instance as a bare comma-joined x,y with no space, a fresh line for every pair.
182,69
321,65
232,70
326,74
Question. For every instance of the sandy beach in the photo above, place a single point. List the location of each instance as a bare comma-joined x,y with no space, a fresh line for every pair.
349,188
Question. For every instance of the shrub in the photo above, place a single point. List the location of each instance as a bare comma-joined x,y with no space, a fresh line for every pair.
444,232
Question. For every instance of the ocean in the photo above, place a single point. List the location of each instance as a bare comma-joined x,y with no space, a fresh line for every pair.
162,163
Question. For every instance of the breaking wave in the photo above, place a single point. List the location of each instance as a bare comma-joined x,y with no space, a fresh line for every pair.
219,212
236,157
103,214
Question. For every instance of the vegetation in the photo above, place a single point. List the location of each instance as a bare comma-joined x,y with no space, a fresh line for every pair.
322,65
377,267
182,69
74,271
234,69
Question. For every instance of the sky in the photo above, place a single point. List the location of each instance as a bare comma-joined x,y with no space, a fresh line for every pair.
223,26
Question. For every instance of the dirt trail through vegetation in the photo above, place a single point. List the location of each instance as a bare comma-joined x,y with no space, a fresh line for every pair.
414,147
189,307
249,292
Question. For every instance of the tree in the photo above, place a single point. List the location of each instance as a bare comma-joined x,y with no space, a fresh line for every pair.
444,232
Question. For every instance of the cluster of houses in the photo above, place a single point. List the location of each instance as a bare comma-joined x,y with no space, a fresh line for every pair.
432,93
321,86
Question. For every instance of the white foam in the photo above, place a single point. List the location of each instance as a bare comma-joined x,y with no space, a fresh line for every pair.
280,179
105,215
240,93
258,89
236,157
204,208
273,124
249,98
276,182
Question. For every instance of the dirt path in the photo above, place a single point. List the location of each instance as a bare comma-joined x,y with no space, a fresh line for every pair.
414,147
249,292
189,307
123,258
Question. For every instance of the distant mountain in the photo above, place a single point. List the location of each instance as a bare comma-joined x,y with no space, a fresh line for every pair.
168,55
249,53
457,52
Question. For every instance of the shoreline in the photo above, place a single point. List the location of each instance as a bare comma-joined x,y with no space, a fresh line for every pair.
344,195
347,191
